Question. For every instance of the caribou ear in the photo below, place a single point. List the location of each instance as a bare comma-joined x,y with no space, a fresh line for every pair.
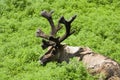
45,44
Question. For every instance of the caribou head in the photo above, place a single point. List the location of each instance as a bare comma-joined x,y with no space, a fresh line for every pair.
52,42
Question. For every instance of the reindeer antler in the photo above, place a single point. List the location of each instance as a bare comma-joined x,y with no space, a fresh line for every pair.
48,16
54,30
67,26
52,40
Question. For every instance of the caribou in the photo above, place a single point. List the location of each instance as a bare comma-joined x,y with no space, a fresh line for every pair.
95,63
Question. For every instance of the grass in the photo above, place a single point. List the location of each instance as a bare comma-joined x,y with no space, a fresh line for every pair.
97,26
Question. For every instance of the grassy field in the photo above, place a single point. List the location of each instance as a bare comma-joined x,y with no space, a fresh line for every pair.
97,26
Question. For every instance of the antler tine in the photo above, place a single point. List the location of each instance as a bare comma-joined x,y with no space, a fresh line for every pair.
40,33
45,43
48,16
67,26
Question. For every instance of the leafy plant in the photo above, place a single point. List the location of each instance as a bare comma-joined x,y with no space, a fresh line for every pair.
97,26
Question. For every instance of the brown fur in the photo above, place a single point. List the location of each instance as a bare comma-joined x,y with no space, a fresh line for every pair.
95,63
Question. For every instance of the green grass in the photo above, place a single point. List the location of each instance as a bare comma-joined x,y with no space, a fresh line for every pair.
97,26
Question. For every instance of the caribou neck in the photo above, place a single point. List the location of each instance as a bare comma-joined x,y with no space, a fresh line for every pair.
67,52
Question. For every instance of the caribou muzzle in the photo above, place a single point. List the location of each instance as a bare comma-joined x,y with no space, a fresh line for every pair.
42,61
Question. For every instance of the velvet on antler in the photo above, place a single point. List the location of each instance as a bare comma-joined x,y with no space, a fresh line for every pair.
52,40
